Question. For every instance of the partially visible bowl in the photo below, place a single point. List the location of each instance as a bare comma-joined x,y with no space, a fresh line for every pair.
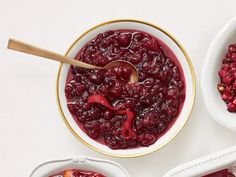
209,79
206,165
105,167
180,53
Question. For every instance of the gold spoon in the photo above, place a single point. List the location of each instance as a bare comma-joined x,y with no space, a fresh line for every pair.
30,49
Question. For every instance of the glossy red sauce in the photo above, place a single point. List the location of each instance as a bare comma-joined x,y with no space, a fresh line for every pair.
77,173
138,114
221,173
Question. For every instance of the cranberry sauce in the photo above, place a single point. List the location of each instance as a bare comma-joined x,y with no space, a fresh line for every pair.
221,173
77,173
118,113
227,74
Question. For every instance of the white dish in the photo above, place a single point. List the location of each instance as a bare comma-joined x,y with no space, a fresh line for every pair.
175,47
105,167
209,80
225,159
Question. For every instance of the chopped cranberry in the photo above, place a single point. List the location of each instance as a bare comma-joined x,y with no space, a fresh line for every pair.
123,115
227,74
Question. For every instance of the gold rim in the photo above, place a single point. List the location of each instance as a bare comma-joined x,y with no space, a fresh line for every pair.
137,154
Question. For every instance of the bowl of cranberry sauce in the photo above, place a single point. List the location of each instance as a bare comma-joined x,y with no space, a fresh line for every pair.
218,80
107,112
79,167
76,173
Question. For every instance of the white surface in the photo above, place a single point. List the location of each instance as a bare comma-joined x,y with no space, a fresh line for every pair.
187,107
206,165
212,98
105,167
31,129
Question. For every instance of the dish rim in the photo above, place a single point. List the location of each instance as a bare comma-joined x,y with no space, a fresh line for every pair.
80,159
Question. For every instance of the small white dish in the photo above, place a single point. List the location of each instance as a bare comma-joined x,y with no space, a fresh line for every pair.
105,167
180,53
225,159
209,79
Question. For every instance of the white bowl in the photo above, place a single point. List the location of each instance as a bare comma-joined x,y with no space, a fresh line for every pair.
225,159
178,51
209,80
105,167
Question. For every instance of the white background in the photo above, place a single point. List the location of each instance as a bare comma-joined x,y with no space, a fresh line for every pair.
31,129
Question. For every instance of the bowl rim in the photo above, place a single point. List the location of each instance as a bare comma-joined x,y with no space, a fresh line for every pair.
79,159
190,65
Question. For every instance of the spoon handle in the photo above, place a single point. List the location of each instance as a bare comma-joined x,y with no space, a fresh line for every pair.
33,50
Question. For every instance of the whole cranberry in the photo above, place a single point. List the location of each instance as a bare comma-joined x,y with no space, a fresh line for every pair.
95,79
107,114
147,139
231,107
124,39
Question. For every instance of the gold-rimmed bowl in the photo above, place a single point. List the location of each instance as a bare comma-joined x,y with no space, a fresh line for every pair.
180,53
